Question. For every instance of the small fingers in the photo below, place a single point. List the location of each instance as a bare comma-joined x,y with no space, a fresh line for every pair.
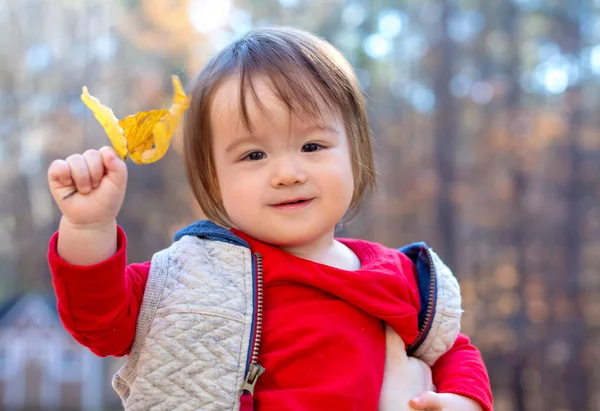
95,165
80,173
107,151
59,172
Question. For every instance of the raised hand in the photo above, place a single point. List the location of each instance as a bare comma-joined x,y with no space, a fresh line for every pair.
98,179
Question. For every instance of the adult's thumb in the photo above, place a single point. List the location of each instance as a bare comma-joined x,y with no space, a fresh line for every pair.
427,401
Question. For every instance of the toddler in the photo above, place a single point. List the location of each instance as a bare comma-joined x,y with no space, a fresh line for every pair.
260,305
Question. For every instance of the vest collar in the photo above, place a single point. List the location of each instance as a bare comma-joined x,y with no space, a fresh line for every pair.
211,231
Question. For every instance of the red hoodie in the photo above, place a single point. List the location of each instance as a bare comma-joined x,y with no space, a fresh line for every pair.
323,344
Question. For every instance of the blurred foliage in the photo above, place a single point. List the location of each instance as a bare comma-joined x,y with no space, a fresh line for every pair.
488,136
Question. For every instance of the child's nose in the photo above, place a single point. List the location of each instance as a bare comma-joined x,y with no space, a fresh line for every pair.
287,173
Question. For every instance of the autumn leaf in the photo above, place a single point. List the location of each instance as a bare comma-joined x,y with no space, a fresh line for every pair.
144,137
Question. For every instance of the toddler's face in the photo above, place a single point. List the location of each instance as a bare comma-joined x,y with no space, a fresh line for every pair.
290,182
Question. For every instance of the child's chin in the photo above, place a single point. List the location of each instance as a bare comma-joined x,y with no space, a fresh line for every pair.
292,237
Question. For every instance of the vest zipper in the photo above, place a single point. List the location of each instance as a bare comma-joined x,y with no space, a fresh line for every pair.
430,305
254,370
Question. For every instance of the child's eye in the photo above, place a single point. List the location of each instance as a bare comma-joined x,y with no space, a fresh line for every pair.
310,147
255,155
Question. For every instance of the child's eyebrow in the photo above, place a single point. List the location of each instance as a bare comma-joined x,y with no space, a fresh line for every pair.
319,127
239,142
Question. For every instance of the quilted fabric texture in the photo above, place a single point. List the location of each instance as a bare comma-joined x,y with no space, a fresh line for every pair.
446,321
192,334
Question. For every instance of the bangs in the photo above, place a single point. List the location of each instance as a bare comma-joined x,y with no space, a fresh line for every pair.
302,94
306,85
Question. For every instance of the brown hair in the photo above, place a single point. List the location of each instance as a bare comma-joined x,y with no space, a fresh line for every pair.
299,66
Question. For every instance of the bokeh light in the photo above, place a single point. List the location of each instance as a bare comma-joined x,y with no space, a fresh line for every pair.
209,15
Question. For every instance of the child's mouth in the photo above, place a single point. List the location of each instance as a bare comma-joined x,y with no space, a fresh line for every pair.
293,204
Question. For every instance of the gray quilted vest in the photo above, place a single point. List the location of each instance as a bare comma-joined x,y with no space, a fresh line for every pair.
196,330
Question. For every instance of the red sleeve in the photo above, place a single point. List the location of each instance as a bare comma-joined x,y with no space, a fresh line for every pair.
99,304
461,371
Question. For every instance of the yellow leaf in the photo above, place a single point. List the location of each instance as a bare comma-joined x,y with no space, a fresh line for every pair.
144,136
107,119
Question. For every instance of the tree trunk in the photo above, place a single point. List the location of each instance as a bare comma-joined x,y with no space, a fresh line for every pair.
573,331
519,178
445,132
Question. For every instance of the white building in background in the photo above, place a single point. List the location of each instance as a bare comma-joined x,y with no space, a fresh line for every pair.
42,366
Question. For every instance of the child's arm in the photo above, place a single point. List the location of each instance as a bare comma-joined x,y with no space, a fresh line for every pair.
404,377
99,304
89,189
408,378
97,296
462,371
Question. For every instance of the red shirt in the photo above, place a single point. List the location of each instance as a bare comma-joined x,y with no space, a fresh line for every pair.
323,344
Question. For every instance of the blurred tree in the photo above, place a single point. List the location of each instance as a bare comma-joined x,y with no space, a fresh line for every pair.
485,117
572,329
446,118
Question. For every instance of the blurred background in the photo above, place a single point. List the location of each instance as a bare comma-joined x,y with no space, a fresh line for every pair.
487,121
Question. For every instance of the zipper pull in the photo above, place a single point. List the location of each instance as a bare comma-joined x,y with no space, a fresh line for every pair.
254,372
